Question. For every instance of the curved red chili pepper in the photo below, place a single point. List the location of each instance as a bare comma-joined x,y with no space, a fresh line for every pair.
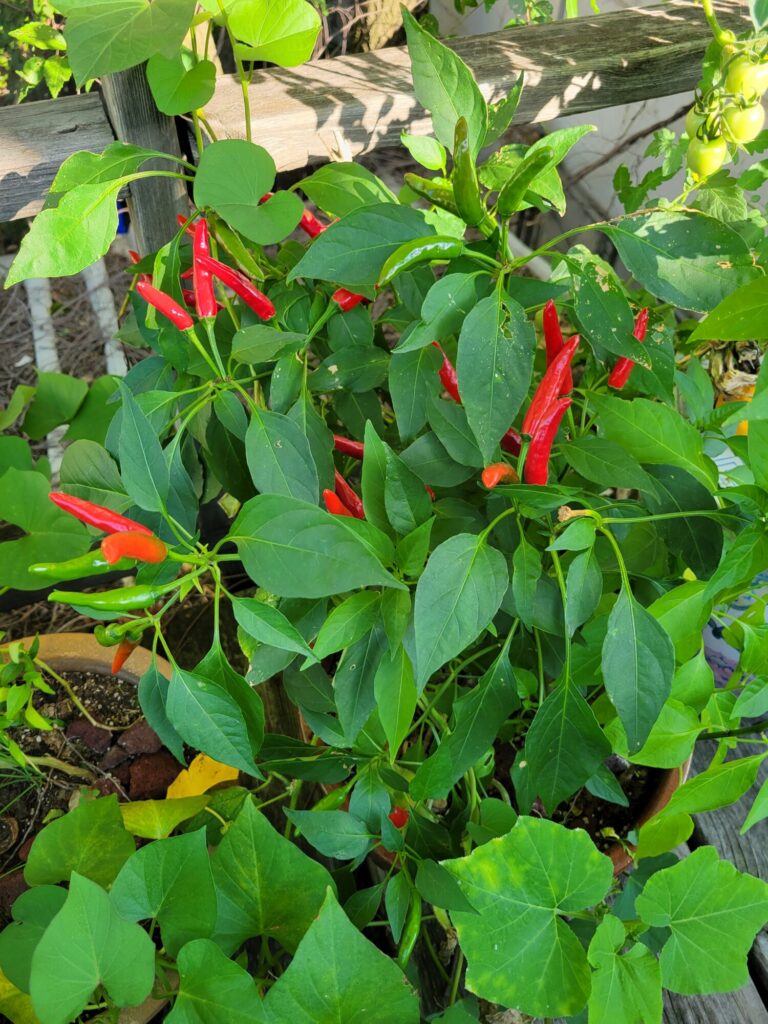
448,376
551,386
344,445
240,285
499,473
347,300
133,544
348,496
164,304
512,442
553,341
536,470
97,515
123,651
182,221
311,225
623,368
334,504
205,295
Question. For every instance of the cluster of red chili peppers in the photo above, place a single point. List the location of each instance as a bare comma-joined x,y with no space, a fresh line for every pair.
125,539
344,500
548,406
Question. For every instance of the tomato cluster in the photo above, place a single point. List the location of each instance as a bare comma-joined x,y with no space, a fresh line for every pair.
729,115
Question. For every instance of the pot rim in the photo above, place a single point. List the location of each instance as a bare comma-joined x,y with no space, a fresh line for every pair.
82,652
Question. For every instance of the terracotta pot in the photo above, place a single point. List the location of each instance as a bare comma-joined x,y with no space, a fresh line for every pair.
670,781
81,652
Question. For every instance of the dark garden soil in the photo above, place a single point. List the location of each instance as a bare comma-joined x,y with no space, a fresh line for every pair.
120,754
601,819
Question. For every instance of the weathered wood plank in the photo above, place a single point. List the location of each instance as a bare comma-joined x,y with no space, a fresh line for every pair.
354,104
36,138
153,203
741,1007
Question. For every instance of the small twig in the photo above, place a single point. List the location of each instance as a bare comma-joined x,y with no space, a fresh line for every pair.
624,144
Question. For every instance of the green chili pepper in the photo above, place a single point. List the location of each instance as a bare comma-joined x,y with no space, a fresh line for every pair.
421,250
438,191
515,187
333,800
124,599
410,931
466,188
117,632
92,563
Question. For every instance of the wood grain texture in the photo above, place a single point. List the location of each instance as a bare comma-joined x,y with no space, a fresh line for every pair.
36,138
351,105
153,203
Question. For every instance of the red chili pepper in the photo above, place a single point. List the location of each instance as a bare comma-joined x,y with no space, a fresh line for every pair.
123,651
166,305
97,515
133,544
499,473
536,470
311,224
553,340
189,228
347,447
188,274
512,442
240,285
334,504
448,376
621,371
430,492
135,258
348,496
347,300
205,296
399,817
551,386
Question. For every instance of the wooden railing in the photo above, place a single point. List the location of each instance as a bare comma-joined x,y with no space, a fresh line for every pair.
346,106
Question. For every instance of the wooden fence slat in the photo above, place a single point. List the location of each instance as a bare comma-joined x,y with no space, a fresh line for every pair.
354,104
35,138
351,105
153,203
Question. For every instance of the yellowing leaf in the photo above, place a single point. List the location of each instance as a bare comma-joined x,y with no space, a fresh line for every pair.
156,819
15,1005
203,774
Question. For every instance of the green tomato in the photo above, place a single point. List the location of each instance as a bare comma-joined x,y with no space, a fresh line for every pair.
706,156
693,121
746,78
743,124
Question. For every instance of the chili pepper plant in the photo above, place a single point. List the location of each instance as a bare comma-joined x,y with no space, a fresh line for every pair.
476,530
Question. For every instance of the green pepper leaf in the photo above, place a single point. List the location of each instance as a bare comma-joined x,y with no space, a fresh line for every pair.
445,86
494,366
457,596
354,249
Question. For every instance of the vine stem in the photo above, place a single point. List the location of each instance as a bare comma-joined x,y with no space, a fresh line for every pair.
745,730
709,13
